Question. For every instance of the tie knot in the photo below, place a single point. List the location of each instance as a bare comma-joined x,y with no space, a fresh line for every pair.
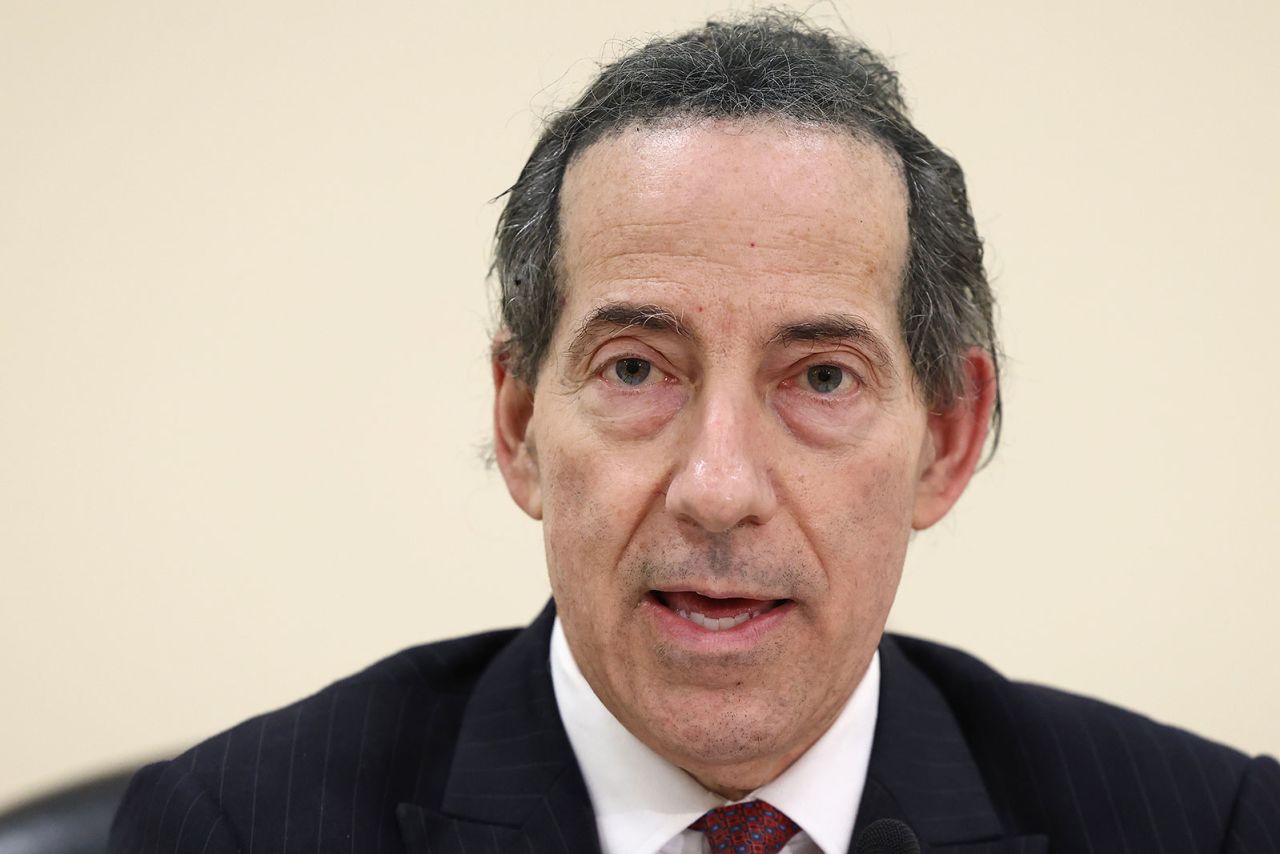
754,827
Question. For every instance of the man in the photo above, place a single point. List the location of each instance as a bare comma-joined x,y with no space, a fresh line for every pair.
746,351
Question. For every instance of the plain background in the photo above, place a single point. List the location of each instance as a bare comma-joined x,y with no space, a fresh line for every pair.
243,320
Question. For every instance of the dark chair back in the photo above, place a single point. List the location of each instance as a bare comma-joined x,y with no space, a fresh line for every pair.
71,820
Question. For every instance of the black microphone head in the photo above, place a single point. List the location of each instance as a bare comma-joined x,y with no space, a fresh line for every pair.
887,836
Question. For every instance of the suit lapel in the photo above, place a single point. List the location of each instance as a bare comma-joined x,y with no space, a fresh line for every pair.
514,784
922,772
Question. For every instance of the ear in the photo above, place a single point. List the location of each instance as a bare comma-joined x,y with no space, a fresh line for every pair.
955,441
512,442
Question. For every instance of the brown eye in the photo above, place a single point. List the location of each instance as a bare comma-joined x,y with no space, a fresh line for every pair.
632,371
825,378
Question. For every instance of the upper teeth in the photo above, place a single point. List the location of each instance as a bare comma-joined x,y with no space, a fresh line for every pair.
716,625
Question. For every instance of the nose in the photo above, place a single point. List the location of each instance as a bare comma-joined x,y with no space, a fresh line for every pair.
723,479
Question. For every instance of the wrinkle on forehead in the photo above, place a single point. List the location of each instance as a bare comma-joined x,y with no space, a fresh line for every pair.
698,193
648,157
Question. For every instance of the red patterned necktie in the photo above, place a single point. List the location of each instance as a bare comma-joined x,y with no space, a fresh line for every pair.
754,827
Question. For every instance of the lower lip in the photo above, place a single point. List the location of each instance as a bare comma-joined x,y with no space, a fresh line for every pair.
690,634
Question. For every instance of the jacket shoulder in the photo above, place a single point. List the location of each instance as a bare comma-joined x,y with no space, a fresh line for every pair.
446,666
320,772
1080,767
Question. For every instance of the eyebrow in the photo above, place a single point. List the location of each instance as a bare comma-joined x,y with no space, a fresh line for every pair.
833,328
838,329
617,316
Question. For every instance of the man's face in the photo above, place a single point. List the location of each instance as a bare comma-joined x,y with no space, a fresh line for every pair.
725,444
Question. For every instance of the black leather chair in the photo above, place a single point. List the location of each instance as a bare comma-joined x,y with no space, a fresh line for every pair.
72,820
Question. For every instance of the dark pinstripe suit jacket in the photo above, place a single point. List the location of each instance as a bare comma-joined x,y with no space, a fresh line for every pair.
458,747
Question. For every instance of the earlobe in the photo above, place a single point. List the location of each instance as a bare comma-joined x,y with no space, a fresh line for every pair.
512,438
955,441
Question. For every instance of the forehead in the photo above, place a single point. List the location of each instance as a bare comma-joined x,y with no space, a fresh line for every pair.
765,212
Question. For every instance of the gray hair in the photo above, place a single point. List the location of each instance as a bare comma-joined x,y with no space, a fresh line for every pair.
768,65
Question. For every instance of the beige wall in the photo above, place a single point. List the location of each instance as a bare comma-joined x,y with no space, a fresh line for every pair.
242,349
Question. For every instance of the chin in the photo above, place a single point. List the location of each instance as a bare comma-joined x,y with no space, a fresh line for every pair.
727,728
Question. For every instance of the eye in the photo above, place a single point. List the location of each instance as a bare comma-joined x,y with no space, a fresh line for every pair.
632,371
825,379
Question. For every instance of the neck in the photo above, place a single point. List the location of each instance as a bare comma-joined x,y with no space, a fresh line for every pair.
735,781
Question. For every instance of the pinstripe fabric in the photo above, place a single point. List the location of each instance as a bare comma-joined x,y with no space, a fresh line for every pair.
1085,775
322,775
457,748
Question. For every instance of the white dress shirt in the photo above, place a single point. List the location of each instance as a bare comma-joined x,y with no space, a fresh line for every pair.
644,804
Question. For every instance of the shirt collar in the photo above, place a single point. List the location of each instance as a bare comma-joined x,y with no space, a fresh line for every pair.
641,800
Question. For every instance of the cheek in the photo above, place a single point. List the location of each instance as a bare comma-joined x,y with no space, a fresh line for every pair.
863,537
594,499
573,512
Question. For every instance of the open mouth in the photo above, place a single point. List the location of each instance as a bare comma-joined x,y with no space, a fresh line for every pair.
714,613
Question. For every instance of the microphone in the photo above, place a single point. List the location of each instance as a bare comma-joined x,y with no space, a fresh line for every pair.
887,836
